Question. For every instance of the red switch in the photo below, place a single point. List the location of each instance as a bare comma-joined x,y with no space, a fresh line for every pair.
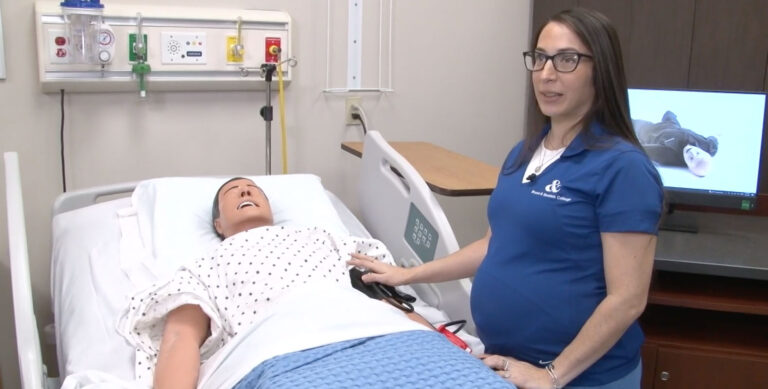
61,53
271,50
60,41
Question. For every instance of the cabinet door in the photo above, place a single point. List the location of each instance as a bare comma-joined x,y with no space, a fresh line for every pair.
679,368
659,44
620,15
543,9
730,45
649,364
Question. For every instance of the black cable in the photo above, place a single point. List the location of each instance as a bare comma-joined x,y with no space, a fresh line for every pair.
357,117
63,170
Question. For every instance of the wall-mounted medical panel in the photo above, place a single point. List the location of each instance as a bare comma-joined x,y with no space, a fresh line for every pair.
186,49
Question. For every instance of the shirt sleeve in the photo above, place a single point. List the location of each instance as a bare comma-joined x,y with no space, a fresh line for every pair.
372,248
630,195
143,321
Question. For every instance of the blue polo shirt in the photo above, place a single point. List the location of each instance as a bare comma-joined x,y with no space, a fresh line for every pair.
543,275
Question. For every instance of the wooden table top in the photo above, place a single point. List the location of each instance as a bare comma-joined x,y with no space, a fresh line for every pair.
446,172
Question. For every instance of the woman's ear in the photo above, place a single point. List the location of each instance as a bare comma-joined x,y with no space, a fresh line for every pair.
217,226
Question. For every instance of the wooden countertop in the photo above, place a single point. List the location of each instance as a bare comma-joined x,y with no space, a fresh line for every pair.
446,172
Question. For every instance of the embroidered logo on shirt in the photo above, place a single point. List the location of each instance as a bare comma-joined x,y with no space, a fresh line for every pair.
554,187
551,192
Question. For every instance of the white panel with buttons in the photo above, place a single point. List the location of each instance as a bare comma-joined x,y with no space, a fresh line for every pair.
183,48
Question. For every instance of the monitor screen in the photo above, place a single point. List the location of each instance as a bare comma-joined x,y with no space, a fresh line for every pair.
705,144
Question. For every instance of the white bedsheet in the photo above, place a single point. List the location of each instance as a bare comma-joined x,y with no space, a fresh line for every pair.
89,291
313,315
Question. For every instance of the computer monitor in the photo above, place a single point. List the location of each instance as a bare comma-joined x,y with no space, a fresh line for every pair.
705,144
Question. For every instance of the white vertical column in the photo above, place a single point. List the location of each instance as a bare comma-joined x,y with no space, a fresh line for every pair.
354,44
2,50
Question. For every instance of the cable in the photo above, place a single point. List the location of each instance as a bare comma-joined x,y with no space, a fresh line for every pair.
359,114
63,165
359,118
281,96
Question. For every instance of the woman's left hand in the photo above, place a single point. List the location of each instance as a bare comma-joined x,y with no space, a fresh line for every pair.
522,374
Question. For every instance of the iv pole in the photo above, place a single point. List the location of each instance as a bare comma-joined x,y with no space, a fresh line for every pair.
266,112
267,71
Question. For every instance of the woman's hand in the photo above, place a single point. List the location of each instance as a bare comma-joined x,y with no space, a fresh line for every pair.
521,374
380,272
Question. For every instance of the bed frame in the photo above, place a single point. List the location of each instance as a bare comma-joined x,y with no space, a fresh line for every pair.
395,204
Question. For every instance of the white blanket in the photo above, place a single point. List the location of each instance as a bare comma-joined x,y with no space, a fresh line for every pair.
310,316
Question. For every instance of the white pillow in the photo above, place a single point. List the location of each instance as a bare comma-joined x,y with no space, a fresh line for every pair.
174,214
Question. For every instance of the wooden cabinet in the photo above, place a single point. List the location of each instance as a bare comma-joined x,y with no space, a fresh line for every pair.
705,332
693,369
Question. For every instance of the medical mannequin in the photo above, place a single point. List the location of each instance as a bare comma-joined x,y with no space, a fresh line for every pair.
181,322
669,144
563,272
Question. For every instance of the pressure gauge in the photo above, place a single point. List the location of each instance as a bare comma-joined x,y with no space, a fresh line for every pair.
105,56
106,37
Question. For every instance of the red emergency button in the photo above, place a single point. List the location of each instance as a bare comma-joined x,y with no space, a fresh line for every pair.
60,41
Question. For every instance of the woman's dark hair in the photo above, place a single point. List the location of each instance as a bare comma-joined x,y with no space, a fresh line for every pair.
611,102
215,209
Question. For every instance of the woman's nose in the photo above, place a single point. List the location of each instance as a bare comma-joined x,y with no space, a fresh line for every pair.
245,192
548,71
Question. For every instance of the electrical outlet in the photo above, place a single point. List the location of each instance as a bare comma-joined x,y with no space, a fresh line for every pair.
350,103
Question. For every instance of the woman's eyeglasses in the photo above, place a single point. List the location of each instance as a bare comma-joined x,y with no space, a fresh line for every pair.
563,62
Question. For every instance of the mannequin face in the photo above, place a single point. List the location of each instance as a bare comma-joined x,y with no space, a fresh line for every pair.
698,160
242,206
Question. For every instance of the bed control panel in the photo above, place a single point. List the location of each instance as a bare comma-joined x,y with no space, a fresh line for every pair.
420,235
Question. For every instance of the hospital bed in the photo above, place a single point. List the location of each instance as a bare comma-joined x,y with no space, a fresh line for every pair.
105,248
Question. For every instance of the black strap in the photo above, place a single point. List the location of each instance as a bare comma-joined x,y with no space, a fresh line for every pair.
379,291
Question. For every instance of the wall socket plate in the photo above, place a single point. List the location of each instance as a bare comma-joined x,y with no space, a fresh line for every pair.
351,101
188,48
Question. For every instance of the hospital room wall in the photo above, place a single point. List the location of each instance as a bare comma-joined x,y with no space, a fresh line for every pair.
457,77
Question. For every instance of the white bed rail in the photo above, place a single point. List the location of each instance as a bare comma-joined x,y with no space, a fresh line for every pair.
388,202
32,371
81,198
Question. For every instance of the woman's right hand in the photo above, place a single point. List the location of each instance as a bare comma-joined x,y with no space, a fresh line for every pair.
379,271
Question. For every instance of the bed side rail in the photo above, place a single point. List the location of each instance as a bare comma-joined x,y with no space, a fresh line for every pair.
32,371
82,198
399,209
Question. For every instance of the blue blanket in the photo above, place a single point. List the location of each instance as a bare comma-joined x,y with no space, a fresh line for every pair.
413,359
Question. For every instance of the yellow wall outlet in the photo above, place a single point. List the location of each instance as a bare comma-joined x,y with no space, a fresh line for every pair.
234,56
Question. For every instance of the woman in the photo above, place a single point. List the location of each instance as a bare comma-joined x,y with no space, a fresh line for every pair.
563,272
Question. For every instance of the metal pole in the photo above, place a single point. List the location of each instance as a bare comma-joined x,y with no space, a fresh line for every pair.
266,113
268,125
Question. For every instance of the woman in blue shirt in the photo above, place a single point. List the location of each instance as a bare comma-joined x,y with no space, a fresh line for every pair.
563,272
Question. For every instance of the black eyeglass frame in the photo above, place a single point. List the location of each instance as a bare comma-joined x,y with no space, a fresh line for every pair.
531,54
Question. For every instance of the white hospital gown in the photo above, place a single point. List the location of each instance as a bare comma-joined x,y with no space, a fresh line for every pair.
239,280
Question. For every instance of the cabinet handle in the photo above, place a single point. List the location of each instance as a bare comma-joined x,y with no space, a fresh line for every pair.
664,376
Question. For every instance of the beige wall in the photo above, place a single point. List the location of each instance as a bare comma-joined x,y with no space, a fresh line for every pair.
470,102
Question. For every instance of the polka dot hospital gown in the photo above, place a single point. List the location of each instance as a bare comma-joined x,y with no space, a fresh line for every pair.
244,275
